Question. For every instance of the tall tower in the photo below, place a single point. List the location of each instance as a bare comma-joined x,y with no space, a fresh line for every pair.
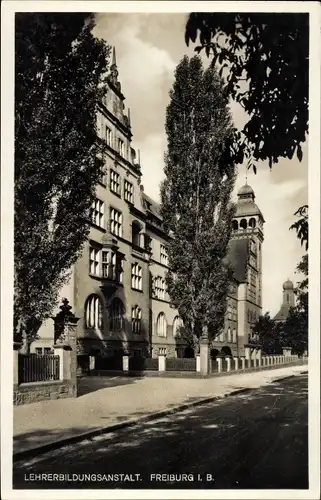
247,239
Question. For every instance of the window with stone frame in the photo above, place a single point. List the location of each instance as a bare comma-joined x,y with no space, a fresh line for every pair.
94,261
136,320
128,191
93,312
121,147
161,325
177,326
159,288
116,222
97,213
108,136
163,255
137,277
114,184
116,315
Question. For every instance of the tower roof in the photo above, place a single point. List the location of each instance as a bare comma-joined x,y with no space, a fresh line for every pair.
288,285
246,190
245,204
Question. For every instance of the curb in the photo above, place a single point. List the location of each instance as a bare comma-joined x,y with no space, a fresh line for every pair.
31,453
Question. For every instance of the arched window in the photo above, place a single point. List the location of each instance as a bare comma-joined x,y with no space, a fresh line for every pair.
234,336
177,325
93,312
136,319
235,225
161,325
243,224
229,339
287,298
252,222
116,315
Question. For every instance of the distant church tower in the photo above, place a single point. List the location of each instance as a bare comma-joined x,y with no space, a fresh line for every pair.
247,236
288,302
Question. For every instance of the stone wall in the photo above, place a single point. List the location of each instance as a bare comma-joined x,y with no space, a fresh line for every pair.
40,391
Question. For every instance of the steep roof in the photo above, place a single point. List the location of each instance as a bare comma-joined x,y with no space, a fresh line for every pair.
152,206
283,313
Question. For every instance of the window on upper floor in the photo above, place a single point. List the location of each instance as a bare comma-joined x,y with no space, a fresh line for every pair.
116,222
159,287
163,255
137,277
97,212
234,336
47,351
93,312
128,191
38,351
106,264
136,319
115,182
108,136
121,147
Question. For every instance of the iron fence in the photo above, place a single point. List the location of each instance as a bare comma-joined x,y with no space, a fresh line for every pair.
38,368
136,363
181,364
109,363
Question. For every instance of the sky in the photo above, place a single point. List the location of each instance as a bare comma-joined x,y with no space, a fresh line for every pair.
148,49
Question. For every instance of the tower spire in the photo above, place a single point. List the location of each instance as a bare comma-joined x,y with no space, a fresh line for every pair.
114,71
114,57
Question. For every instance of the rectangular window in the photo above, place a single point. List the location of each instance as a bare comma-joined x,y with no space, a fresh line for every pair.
137,277
120,269
108,265
128,191
159,288
116,222
121,147
115,182
47,351
38,351
136,320
108,136
163,255
94,261
97,213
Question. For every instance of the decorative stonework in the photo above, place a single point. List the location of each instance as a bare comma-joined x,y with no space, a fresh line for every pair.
65,325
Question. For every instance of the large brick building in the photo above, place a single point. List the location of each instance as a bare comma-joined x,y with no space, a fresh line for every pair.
117,287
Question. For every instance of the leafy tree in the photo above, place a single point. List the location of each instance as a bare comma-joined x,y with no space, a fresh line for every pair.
60,70
266,59
296,327
268,334
301,226
195,197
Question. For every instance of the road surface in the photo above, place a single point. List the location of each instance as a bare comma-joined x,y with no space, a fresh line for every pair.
254,440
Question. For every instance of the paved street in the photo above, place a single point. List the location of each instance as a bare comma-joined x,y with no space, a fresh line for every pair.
253,440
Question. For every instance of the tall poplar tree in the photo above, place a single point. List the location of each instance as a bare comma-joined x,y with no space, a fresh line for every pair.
195,196
60,70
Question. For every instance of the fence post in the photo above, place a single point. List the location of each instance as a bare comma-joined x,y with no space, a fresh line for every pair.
236,361
125,363
219,365
65,324
16,347
198,363
91,362
228,361
204,352
162,362
243,362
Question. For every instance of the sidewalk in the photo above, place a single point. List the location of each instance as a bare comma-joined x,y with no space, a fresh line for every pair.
118,400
